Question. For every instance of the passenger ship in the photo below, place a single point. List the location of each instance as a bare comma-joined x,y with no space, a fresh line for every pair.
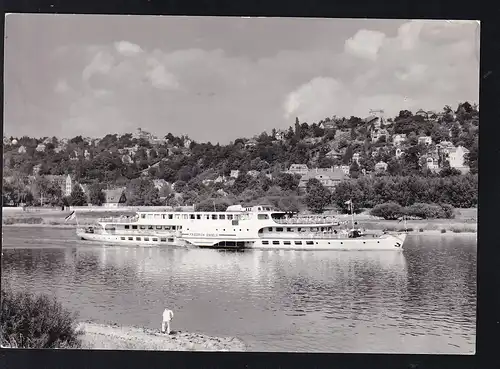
261,227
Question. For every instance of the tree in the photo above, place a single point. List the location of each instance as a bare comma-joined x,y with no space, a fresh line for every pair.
354,170
388,211
77,197
96,194
287,181
318,197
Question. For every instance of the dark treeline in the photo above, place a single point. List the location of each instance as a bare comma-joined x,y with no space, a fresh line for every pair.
457,191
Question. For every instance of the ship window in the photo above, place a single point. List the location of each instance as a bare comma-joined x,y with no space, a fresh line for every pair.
146,238
163,239
137,238
150,227
185,216
260,230
142,227
143,216
134,227
265,242
214,217
163,216
270,229
131,238
286,242
299,229
309,243
289,230
177,216
230,217
222,216
198,216
298,242
262,216
276,242
170,240
234,222
224,229
179,227
170,216
192,216
279,229
157,216
158,227
127,227
155,239
122,238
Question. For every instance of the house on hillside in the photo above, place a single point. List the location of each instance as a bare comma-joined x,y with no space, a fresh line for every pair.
21,150
381,166
253,173
329,178
234,173
431,161
345,169
399,139
251,143
456,158
378,133
281,134
422,113
220,179
300,169
114,198
40,148
160,183
399,153
333,154
425,140
36,169
330,124
65,182
356,157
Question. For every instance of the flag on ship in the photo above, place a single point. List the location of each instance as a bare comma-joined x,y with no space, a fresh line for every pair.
71,216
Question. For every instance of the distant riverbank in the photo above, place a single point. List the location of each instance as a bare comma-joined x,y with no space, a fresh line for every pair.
115,337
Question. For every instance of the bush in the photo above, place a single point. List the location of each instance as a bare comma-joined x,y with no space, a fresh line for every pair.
430,211
448,211
388,211
28,220
443,230
420,230
29,321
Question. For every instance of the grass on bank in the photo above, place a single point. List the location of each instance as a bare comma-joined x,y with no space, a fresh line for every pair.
36,321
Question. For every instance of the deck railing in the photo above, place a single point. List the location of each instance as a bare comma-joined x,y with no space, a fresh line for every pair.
307,220
119,219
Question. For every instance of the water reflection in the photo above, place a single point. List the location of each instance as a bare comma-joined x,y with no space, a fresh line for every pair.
420,300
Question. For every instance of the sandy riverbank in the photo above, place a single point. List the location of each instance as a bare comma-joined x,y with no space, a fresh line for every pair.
114,337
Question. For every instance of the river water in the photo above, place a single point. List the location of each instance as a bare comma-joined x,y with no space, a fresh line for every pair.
421,300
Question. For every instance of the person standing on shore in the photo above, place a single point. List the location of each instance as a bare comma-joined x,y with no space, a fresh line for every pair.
168,315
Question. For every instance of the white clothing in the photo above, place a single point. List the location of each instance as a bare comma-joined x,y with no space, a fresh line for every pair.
168,315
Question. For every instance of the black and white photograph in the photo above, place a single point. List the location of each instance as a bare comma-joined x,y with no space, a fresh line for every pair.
245,184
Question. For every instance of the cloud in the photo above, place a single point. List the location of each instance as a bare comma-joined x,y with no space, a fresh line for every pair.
62,86
315,100
365,44
427,64
101,63
127,48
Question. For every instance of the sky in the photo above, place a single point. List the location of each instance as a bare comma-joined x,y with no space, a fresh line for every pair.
216,79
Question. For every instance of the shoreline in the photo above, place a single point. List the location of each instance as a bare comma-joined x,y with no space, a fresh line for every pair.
115,337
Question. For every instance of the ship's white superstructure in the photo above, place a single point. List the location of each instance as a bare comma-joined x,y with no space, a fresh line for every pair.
238,227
